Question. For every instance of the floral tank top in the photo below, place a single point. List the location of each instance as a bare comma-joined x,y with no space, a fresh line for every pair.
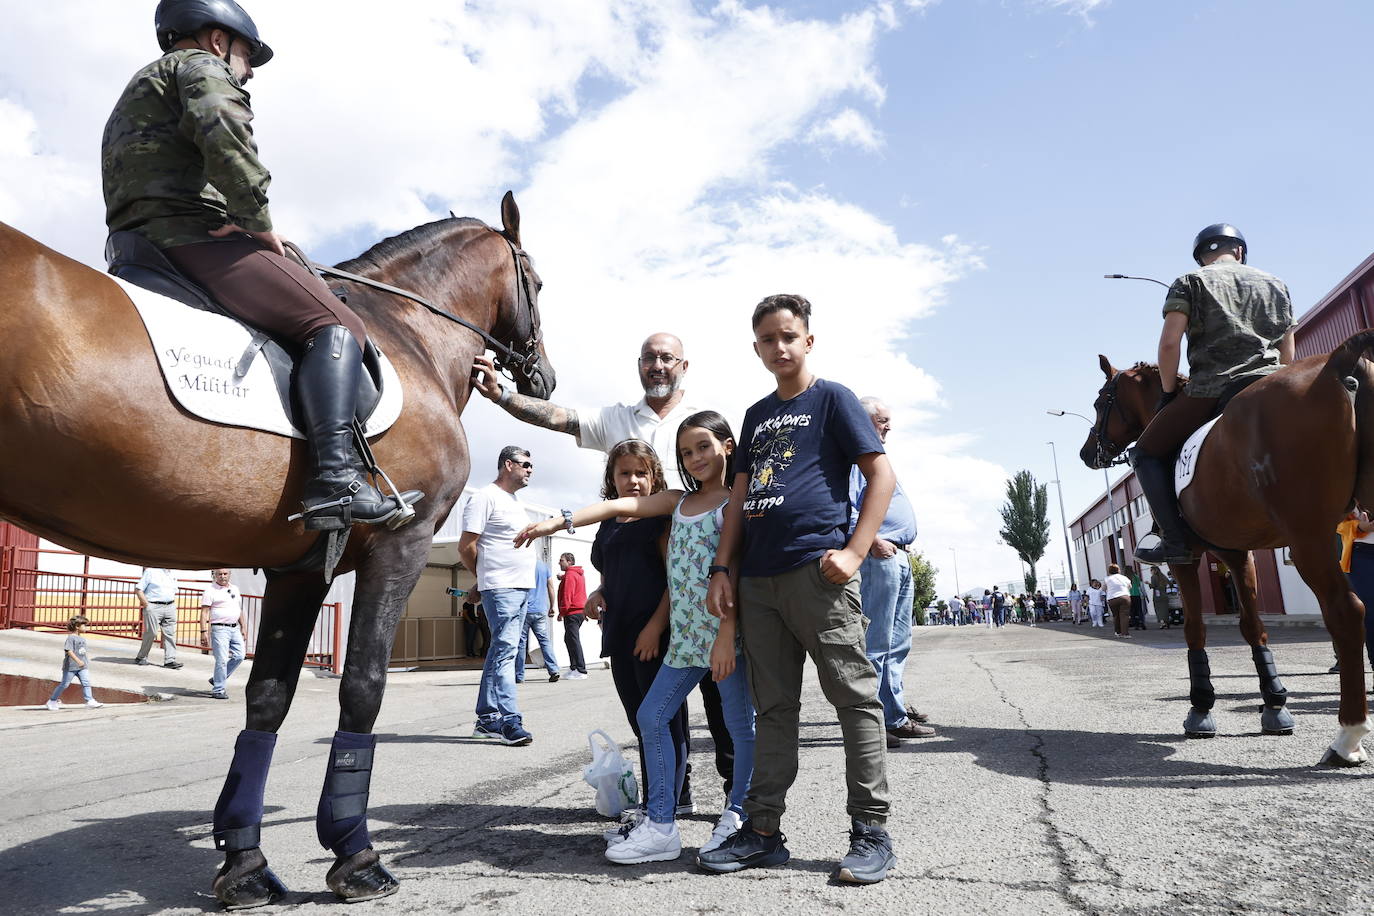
692,546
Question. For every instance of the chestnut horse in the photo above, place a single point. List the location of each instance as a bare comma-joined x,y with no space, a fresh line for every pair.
99,458
1289,457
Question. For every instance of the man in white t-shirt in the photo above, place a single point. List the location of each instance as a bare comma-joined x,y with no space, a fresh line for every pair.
220,610
1119,600
491,518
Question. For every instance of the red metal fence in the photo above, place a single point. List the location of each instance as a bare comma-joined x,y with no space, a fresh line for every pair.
36,599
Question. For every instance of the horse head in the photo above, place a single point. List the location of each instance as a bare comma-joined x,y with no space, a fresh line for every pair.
517,324
1125,404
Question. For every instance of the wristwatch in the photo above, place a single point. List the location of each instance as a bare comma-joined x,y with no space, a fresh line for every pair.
712,570
567,520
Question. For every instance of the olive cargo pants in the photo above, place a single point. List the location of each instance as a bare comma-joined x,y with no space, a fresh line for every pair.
783,619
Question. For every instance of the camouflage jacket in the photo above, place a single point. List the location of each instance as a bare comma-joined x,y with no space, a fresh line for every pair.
1237,317
178,157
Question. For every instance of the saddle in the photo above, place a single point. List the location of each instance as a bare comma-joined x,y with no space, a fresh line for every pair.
134,259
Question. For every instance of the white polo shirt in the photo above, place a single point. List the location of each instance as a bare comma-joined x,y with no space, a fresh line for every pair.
496,517
602,427
223,603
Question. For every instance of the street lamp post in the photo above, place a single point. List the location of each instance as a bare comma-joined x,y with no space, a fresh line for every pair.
957,589
1063,519
1111,504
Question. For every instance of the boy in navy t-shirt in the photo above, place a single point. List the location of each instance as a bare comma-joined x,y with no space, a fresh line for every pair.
786,551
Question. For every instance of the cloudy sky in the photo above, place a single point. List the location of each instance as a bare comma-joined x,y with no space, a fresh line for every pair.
946,181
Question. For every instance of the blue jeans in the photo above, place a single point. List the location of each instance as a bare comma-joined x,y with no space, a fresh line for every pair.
226,644
80,674
538,621
665,760
885,590
505,610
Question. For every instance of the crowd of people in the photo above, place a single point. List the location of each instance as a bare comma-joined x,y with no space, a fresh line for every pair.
1125,599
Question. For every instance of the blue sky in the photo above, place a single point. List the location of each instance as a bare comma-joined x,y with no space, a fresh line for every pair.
948,182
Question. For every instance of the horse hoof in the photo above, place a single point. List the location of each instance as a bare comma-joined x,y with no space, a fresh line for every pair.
1334,758
1276,721
361,876
1200,724
245,882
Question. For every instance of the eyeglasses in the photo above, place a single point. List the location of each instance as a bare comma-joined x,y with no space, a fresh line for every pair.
667,359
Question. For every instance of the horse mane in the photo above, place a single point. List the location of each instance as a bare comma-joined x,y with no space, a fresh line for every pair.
408,242
1154,367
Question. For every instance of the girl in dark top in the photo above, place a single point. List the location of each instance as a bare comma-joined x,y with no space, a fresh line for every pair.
629,554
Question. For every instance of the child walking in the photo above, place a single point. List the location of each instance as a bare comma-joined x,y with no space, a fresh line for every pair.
699,645
785,552
75,665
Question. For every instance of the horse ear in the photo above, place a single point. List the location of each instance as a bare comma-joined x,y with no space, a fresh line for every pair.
1106,365
510,219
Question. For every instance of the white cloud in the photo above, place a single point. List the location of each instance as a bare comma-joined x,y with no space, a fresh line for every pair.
846,128
646,141
1077,7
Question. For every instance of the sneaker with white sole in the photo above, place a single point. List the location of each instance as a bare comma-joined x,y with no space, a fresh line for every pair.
630,818
54,705
728,825
647,843
94,704
491,729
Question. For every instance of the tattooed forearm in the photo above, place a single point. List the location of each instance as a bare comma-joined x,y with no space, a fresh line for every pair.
542,413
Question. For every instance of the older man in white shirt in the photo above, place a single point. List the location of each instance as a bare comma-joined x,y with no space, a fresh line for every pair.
156,592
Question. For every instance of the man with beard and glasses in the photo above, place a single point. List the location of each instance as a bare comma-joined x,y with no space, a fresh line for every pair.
654,418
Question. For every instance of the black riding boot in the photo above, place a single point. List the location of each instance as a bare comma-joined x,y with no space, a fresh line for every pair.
338,495
1156,476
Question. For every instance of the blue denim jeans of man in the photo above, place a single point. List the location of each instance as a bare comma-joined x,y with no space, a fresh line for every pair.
664,759
226,644
505,611
80,674
885,587
538,623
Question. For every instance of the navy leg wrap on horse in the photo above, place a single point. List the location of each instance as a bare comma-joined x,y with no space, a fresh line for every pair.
1202,695
238,813
1275,694
341,820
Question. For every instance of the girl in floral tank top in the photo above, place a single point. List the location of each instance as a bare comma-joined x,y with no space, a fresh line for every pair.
698,643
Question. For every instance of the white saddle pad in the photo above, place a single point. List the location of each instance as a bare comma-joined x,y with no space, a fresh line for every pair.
199,351
1187,458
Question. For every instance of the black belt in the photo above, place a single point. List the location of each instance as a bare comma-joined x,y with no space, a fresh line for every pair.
161,602
223,624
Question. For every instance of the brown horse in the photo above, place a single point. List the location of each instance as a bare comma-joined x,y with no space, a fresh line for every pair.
99,458
1283,465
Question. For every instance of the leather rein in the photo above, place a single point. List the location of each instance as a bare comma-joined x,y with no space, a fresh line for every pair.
510,358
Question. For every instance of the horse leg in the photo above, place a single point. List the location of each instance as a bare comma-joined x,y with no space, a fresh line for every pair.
289,609
386,578
1274,718
1315,556
1201,695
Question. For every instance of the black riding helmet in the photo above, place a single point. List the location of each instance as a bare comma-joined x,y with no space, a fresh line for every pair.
1217,232
177,19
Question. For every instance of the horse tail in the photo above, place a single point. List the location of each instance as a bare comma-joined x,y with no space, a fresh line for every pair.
1346,357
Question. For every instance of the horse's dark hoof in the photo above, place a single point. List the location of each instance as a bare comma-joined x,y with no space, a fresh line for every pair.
1199,724
361,876
244,881
1333,759
1276,721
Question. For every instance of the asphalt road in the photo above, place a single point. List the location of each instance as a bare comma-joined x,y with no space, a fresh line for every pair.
1060,782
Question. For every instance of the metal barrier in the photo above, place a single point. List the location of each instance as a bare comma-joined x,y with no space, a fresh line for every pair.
35,599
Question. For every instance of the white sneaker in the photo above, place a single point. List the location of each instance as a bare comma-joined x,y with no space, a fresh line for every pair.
94,704
576,676
728,825
646,843
630,818
54,704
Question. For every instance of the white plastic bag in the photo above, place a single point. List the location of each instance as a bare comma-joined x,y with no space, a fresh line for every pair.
611,776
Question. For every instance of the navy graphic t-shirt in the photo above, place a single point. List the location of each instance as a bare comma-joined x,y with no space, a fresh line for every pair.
797,455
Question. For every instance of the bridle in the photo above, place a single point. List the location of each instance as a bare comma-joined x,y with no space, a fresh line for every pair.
1108,453
511,358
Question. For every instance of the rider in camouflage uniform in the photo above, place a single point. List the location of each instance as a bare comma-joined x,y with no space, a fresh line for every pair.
1239,323
181,168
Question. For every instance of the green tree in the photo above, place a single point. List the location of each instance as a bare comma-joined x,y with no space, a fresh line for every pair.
922,584
1026,522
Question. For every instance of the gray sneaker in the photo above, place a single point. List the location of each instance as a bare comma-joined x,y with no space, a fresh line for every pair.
870,855
746,849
